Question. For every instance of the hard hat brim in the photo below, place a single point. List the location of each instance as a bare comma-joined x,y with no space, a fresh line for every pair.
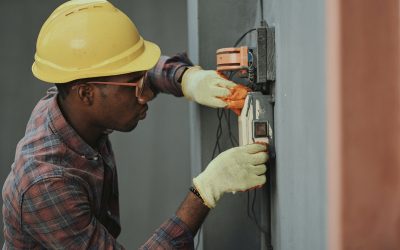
147,60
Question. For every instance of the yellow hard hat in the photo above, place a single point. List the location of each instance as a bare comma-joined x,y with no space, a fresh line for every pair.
90,38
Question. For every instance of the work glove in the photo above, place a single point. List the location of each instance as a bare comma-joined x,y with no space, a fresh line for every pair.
206,87
237,169
235,101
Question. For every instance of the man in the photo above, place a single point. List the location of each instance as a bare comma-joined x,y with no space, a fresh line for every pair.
62,190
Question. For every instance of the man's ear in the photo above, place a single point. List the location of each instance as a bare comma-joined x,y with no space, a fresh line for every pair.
85,93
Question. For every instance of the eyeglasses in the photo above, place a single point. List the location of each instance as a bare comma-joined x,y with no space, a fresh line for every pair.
140,85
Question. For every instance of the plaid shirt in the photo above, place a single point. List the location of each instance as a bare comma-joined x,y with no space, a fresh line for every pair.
62,194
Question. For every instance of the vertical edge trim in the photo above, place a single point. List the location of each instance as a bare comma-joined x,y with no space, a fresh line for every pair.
194,109
333,118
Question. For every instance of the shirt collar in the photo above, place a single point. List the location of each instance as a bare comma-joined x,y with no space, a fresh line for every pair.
66,133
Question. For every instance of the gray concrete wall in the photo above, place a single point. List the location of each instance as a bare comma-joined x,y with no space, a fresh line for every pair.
299,196
153,160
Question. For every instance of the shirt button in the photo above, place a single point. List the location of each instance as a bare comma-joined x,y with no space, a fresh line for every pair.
109,212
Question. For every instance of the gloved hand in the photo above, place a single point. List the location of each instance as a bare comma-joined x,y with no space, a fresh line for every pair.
205,86
237,169
235,101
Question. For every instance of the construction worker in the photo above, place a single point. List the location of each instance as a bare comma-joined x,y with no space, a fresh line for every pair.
62,191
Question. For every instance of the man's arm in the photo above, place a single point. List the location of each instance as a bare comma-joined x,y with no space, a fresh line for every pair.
192,212
237,169
177,76
166,76
178,232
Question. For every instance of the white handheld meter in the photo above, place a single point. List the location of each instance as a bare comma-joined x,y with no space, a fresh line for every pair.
255,121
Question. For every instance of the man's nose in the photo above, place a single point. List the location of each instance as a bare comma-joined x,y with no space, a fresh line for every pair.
146,96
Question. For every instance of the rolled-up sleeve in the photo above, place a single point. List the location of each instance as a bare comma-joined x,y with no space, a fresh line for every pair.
172,234
56,212
165,76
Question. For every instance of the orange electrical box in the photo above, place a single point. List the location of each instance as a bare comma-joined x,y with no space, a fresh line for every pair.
229,59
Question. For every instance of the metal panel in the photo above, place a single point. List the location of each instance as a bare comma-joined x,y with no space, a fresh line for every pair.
194,108
221,23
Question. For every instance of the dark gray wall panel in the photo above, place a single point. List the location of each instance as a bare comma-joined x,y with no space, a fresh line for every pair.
221,23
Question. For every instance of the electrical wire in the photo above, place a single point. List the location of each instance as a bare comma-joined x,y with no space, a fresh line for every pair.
217,146
232,138
254,29
243,36
263,23
251,213
198,238
254,213
222,113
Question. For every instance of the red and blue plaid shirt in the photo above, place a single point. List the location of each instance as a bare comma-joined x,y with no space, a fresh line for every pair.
63,194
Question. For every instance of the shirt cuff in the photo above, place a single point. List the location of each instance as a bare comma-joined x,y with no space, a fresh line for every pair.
172,234
181,236
164,77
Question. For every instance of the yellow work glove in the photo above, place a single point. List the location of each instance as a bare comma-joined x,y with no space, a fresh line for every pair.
205,86
237,169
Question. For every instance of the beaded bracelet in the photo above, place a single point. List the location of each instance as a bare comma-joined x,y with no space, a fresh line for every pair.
194,190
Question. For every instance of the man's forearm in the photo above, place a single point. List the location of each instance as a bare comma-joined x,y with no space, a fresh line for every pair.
164,77
192,212
178,231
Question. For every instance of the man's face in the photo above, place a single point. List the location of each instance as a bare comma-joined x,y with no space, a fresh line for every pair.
117,107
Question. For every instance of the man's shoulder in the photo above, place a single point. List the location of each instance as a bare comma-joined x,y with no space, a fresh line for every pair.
37,160
39,154
40,142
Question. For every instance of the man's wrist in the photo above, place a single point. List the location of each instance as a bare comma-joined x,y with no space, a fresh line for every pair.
196,192
182,72
192,212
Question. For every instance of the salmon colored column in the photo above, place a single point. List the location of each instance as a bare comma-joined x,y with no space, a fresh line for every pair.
363,117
